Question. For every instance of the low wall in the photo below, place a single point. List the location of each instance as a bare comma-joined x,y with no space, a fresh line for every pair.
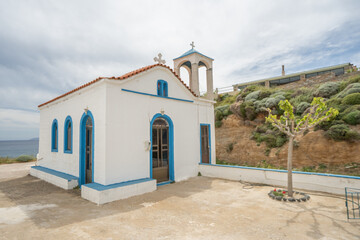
323,78
101,194
329,183
59,179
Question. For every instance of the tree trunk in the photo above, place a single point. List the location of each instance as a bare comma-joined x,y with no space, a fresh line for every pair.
289,166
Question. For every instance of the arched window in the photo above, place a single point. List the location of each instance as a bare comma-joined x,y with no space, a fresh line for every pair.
162,88
54,136
68,135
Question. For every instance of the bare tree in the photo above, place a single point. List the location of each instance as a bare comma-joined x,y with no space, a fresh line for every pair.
290,125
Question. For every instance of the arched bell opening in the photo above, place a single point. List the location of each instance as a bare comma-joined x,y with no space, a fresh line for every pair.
185,72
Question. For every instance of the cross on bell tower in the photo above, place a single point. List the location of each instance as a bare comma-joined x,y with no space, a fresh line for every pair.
192,60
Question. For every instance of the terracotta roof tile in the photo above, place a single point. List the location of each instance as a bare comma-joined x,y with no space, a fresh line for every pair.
123,77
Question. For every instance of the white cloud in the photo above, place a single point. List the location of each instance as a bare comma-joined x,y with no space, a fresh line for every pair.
50,47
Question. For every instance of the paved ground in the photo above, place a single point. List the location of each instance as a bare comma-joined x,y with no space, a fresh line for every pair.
200,208
15,170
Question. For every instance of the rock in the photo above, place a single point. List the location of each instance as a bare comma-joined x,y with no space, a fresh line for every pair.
239,99
235,108
290,199
259,121
278,198
269,132
303,199
247,123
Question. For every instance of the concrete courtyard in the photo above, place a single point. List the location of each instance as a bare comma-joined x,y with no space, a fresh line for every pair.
199,208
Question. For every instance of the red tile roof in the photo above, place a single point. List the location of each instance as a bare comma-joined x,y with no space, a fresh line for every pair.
123,77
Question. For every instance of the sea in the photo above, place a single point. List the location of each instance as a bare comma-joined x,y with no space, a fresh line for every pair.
16,148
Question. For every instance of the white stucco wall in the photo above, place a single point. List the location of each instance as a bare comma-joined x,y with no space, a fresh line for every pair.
73,105
122,126
128,126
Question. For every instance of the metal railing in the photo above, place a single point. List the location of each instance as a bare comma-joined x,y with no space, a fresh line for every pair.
352,202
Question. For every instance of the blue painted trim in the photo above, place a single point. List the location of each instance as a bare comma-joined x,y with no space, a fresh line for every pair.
191,51
82,168
153,95
283,171
171,145
209,133
163,86
53,147
100,187
67,121
55,173
164,183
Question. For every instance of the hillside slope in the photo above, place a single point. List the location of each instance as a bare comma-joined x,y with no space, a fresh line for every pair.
242,137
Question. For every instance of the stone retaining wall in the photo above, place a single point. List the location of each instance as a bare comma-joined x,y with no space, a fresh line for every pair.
327,77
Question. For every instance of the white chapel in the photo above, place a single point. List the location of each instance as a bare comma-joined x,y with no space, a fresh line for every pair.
117,137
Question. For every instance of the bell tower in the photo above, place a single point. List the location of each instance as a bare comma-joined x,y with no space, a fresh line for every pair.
192,60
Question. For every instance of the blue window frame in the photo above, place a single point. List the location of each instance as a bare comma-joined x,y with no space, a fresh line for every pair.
162,88
68,132
54,136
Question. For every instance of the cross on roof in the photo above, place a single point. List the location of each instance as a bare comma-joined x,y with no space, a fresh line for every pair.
159,60
192,45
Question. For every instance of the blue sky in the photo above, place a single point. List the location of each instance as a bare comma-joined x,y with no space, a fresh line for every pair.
50,47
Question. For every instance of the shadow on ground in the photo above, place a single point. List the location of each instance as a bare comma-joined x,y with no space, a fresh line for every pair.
71,208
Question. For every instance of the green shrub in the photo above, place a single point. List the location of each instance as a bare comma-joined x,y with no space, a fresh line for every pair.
253,96
327,124
334,102
218,124
282,94
246,91
272,138
348,109
308,169
225,99
352,118
261,129
354,79
342,132
351,99
250,112
272,102
218,116
328,89
229,147
280,140
264,93
222,112
302,107
351,88
24,158
247,110
322,166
